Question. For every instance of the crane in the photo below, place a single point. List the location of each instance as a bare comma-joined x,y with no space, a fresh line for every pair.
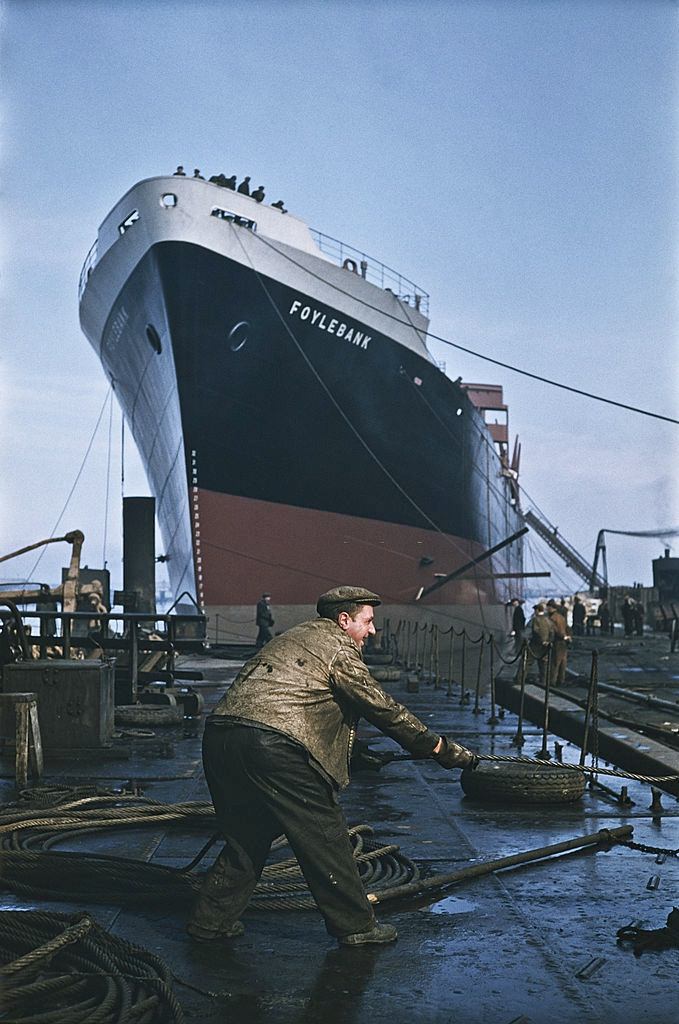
600,550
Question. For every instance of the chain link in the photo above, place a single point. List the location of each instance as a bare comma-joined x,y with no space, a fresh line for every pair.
644,848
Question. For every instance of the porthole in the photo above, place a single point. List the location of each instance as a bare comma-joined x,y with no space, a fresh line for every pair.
154,339
168,200
238,335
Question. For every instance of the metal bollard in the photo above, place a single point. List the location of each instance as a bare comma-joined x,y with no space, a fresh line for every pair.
656,800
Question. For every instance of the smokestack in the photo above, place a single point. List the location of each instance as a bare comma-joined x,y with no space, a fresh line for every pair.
139,554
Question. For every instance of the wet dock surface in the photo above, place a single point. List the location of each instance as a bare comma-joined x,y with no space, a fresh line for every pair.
531,944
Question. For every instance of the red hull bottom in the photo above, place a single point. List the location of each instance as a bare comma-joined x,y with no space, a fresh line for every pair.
245,547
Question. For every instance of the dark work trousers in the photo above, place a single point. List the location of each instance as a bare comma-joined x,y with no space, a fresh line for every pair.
262,785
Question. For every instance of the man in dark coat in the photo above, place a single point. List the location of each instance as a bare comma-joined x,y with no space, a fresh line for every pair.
579,613
628,615
276,752
518,623
264,620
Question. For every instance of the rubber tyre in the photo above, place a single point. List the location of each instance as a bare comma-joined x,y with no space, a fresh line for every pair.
148,714
385,674
523,783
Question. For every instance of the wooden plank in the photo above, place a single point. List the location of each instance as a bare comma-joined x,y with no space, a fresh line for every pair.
21,760
35,740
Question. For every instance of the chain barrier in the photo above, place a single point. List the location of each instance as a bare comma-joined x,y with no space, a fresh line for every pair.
645,848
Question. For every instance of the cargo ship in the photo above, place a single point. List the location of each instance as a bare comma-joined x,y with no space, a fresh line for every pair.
295,429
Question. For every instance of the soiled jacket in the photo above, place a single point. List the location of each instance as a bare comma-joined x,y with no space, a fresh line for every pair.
542,634
311,684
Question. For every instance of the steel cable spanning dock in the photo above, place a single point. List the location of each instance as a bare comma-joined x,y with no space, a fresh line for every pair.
523,943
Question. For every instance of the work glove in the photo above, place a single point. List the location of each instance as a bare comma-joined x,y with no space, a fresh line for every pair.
453,755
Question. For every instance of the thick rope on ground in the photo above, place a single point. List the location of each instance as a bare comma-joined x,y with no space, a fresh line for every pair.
65,969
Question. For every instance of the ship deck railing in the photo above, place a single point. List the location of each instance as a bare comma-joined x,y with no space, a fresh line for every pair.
372,270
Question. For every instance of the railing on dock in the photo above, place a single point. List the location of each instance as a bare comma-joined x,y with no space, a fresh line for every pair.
126,636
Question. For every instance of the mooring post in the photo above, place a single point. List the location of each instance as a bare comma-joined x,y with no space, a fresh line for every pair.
544,753
518,740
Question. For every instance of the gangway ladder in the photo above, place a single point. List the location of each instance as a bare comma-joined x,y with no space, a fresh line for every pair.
564,550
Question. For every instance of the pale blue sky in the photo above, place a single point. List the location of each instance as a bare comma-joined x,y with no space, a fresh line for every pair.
517,160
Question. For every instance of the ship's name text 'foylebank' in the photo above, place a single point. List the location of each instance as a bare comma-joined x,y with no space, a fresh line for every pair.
332,326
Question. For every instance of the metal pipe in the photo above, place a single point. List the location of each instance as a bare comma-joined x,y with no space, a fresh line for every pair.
591,694
470,565
655,702
477,695
605,835
544,753
518,740
451,655
493,720
463,665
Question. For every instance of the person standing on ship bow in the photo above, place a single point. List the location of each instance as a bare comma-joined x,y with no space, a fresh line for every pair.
276,752
264,620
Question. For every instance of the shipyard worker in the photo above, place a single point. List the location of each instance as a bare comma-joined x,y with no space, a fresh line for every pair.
559,643
197,174
179,172
628,615
229,182
46,603
258,194
276,752
264,620
244,187
579,613
518,623
638,618
279,206
605,620
541,636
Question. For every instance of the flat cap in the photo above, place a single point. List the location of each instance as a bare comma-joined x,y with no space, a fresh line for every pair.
539,607
552,603
342,595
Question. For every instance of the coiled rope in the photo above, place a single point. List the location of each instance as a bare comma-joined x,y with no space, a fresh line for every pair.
31,868
67,962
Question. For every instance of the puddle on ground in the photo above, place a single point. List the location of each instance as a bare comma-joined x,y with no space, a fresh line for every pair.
452,905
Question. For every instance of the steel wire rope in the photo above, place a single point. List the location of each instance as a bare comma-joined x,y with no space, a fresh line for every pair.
108,481
463,348
108,398
357,434
587,769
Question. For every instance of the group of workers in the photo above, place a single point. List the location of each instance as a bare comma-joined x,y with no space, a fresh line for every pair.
550,635
244,187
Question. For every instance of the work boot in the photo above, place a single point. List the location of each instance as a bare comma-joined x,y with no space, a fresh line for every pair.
205,935
377,934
